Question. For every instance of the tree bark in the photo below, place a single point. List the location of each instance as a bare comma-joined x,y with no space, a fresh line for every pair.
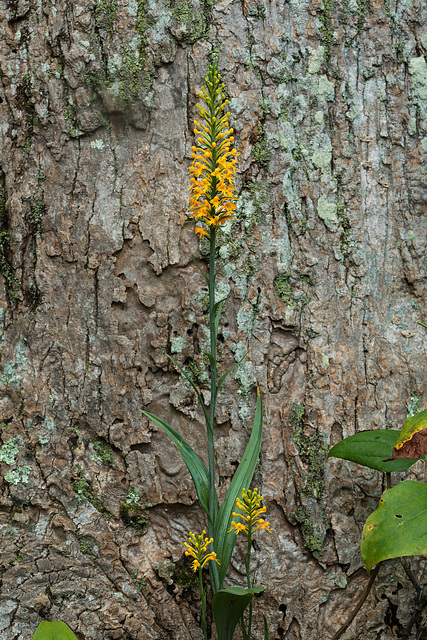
326,267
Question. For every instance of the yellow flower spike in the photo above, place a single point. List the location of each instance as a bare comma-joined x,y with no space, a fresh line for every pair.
250,506
213,161
198,550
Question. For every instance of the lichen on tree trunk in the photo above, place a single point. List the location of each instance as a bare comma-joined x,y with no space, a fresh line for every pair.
326,267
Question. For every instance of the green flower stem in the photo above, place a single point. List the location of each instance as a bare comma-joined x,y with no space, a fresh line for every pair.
248,578
210,425
203,597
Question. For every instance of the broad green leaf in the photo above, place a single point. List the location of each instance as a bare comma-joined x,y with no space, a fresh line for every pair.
412,425
228,606
197,469
187,377
53,631
223,538
399,525
371,448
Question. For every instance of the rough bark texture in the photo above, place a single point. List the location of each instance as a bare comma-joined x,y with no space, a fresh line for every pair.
326,268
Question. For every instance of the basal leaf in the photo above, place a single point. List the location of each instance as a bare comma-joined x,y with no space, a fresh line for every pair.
197,469
228,606
399,525
371,448
223,538
53,631
412,425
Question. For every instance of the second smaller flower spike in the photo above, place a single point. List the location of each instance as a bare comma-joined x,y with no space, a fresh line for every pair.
199,550
251,508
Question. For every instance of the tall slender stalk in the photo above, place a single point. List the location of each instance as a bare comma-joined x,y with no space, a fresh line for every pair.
210,424
203,598
248,577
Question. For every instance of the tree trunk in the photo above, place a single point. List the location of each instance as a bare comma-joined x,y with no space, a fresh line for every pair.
326,266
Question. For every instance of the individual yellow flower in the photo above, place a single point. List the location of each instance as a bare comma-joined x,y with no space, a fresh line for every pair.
214,163
199,550
251,508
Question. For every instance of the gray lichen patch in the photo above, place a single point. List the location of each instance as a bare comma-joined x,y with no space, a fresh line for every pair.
19,475
10,374
327,212
322,151
177,344
13,369
9,450
324,88
418,71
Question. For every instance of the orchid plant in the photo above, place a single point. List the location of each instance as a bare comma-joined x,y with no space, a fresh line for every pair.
212,204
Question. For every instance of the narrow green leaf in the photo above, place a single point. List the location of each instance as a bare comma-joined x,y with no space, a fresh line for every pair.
195,466
53,631
210,358
223,377
370,448
265,628
201,271
223,538
222,267
399,525
219,304
228,606
199,395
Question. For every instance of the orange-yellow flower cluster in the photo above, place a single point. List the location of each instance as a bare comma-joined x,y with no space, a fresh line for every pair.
199,550
250,505
214,161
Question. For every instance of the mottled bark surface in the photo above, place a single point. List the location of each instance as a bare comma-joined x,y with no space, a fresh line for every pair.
326,269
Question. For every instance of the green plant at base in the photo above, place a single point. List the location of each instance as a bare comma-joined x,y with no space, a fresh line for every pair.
212,203
398,527
53,631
